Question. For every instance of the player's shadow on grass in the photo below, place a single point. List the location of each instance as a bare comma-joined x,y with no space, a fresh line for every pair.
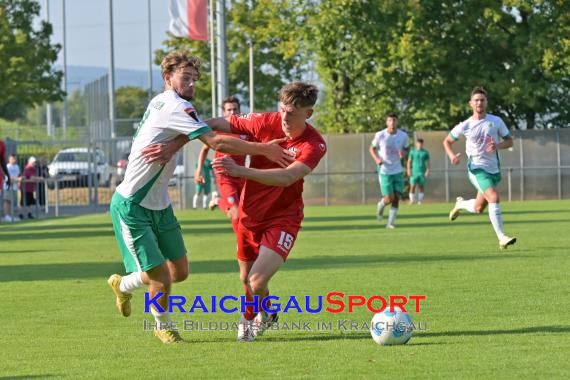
522,330
71,271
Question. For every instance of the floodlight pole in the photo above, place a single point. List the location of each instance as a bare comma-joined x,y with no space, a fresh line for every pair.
111,73
49,107
212,57
222,78
251,88
64,51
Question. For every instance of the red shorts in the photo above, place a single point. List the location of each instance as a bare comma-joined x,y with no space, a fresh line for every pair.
229,194
277,237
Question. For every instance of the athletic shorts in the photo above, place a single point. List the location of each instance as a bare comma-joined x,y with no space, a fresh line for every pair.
146,238
204,188
483,180
277,237
229,194
418,179
391,183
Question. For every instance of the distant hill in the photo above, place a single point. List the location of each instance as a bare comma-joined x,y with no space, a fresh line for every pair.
79,76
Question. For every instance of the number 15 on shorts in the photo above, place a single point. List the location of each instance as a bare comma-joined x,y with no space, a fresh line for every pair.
285,241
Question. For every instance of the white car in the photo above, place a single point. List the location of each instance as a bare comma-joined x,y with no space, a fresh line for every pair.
73,165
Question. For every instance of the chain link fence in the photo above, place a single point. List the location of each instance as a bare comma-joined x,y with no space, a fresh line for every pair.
81,176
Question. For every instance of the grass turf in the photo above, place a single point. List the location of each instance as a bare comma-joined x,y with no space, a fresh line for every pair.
488,313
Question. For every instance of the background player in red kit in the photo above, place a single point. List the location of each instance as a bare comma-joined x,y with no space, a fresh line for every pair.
271,207
229,187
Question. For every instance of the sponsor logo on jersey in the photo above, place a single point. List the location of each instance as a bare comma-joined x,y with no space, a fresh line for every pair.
322,147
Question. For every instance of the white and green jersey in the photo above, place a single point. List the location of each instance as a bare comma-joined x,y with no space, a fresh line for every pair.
478,135
167,116
389,147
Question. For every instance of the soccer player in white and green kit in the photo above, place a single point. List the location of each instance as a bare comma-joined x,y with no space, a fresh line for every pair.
418,171
388,148
147,232
483,133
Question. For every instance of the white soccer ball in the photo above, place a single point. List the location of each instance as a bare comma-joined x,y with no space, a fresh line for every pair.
391,328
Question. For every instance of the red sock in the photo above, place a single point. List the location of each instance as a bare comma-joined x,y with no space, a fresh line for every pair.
235,225
249,309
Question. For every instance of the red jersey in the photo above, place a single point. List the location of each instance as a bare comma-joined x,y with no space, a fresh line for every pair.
239,159
261,203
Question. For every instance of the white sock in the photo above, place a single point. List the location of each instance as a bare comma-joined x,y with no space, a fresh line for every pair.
468,205
204,201
160,317
380,207
195,201
131,282
412,196
420,197
392,215
496,219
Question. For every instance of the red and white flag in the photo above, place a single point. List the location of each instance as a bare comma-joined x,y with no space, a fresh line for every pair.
189,19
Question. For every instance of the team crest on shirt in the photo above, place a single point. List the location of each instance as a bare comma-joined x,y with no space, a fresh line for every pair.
322,146
293,150
244,137
192,113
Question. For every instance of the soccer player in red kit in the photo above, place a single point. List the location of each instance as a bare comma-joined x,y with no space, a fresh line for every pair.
229,187
271,207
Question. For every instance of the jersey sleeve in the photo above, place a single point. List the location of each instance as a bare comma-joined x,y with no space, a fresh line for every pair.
247,124
312,153
503,130
427,155
457,131
185,121
375,141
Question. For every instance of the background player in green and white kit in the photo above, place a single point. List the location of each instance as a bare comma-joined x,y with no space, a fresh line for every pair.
387,149
203,184
483,133
147,232
418,171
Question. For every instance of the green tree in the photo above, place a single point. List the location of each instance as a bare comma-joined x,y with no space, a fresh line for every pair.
26,74
422,58
275,28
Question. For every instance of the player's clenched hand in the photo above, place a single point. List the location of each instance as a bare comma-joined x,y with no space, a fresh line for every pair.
199,180
379,162
161,152
491,146
275,153
455,159
226,166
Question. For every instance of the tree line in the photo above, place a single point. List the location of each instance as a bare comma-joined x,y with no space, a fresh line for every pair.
419,58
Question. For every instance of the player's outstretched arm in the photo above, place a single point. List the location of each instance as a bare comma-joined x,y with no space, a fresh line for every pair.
231,145
272,177
219,124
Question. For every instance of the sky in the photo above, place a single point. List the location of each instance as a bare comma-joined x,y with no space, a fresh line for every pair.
87,31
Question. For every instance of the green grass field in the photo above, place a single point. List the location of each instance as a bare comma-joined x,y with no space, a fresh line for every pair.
489,313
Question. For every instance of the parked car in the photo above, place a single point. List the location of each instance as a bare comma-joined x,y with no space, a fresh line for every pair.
73,165
121,169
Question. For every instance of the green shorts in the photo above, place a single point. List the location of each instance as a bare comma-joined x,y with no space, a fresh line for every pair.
146,238
483,180
391,183
418,179
203,188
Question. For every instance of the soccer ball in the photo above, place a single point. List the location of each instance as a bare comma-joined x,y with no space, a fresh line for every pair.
389,328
